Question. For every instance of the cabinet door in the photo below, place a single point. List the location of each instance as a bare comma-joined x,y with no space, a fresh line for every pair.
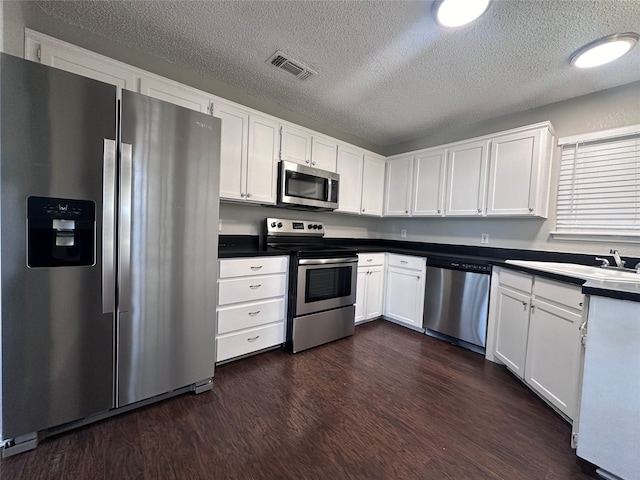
262,160
428,183
513,173
397,189
70,58
511,330
323,153
372,185
375,282
350,170
295,145
404,296
361,293
466,179
553,353
175,93
233,151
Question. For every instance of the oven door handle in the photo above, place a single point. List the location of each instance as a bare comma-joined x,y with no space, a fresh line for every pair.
324,261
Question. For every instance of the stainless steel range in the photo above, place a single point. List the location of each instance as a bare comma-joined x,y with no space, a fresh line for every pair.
322,283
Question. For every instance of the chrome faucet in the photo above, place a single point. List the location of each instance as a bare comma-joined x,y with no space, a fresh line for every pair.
616,256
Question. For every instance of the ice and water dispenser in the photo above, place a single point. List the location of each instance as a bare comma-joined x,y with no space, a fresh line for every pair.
60,232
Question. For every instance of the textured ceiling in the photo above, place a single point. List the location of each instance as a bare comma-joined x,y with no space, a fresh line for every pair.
387,72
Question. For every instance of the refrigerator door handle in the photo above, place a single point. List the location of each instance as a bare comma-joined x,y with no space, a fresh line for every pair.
126,191
108,225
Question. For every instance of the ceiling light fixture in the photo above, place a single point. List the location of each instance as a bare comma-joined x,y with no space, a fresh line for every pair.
604,50
455,13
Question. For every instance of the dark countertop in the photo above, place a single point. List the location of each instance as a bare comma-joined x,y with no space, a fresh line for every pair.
231,246
234,251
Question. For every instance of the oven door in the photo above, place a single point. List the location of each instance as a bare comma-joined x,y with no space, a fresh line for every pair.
324,284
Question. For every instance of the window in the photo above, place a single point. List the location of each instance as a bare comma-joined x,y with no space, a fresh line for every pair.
599,185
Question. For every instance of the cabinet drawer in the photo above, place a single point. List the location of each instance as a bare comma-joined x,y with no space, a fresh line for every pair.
560,293
239,267
406,261
248,341
250,315
516,280
370,259
236,290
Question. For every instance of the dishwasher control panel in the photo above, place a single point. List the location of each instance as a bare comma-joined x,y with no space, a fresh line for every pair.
464,265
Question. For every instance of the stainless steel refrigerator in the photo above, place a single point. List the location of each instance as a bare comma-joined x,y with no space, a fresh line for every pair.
108,259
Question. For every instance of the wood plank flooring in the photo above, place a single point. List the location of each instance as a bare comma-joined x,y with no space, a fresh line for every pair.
387,403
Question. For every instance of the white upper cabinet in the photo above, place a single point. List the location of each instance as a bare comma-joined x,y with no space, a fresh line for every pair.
428,183
372,185
350,170
466,178
519,173
504,174
303,147
55,53
248,154
397,188
323,153
233,151
262,161
295,145
176,93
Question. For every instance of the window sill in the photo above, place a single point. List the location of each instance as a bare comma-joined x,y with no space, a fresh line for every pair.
610,237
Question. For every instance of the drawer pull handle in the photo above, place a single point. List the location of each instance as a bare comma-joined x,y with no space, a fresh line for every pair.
524,304
403,261
253,339
253,314
255,269
369,259
580,304
253,287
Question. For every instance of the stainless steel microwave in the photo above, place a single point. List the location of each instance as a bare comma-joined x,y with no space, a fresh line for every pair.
305,187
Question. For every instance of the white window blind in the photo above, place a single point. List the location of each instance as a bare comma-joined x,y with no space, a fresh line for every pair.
599,187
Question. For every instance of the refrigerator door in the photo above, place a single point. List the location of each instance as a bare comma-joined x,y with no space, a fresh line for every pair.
168,247
57,333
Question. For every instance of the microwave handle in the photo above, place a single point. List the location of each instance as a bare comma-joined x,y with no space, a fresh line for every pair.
333,184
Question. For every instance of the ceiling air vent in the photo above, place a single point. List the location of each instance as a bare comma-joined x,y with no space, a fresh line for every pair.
295,68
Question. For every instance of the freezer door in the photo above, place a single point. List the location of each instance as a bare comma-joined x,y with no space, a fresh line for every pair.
168,247
57,335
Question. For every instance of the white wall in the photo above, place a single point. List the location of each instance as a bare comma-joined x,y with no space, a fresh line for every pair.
241,219
12,28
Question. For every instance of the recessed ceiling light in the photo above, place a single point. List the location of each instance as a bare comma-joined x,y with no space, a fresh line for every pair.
604,50
455,13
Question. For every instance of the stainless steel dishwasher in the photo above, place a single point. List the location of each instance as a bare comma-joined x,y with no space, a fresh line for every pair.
456,302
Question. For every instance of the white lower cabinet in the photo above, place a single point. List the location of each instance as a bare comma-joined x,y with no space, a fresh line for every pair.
512,319
537,334
553,345
369,289
404,293
251,305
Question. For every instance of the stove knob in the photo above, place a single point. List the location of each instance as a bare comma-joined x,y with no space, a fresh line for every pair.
316,227
319,226
309,226
279,224
273,224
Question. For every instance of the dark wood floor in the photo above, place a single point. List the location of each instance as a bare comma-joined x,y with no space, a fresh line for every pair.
387,403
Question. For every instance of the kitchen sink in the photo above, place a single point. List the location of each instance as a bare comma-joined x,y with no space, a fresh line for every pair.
585,272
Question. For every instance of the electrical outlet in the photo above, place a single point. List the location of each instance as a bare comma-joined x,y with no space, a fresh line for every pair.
484,238
403,233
